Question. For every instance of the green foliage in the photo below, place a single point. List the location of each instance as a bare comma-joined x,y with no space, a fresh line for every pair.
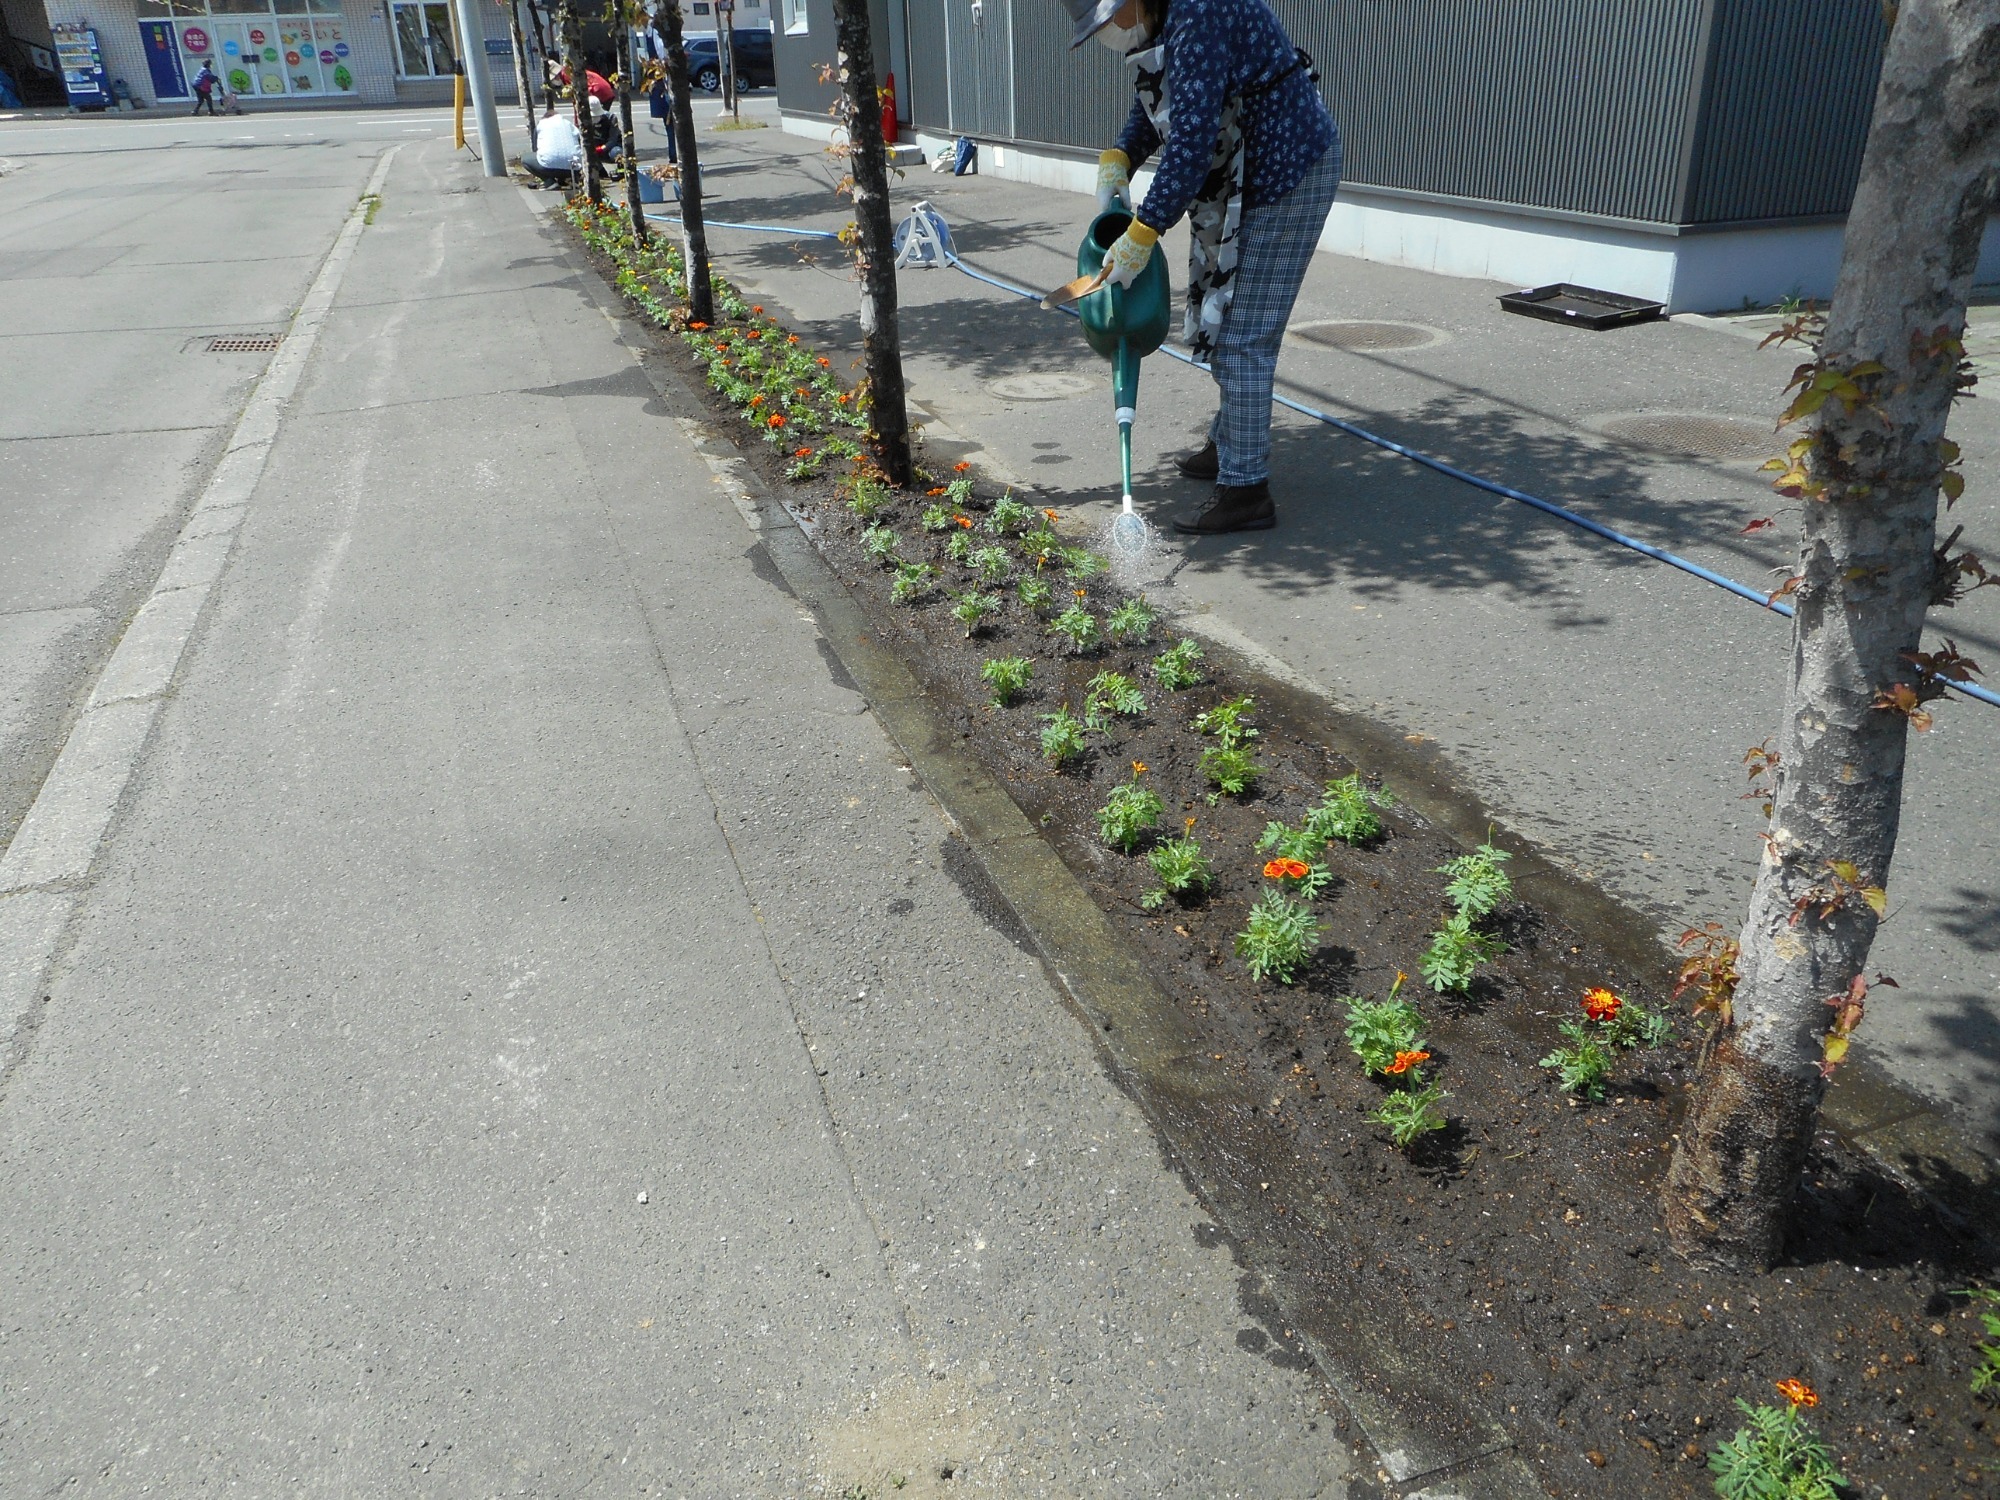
959,492
1346,812
1131,622
1279,937
1228,722
1131,812
972,609
1175,667
1231,769
1041,543
913,581
1777,1456
1477,885
1111,693
1635,1026
1182,870
803,469
1378,1029
1282,841
992,564
1037,593
840,447
868,498
1456,950
1582,1065
1008,677
935,519
1080,563
1062,737
881,543
1009,515
1411,1114
1078,626
1986,1379
959,548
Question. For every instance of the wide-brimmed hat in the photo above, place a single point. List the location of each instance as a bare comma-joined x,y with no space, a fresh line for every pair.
1092,16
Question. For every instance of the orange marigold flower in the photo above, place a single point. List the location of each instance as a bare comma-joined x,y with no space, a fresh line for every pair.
1187,824
803,453
961,466
842,398
775,422
824,363
1601,1004
1798,1393
938,491
801,392
1287,869
1138,768
965,521
697,327
758,310
791,338
758,399
1406,1061
1051,515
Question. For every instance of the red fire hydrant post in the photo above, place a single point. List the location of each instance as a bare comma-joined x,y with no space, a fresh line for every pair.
889,109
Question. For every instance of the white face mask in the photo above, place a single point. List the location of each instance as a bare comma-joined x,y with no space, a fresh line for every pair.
1119,38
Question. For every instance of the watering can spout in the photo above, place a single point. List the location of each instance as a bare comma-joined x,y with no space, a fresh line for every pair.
1124,324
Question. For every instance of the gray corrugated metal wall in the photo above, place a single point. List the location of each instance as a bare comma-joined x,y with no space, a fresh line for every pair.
1786,114
1587,107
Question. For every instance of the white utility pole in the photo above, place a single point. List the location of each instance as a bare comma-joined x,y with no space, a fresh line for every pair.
478,82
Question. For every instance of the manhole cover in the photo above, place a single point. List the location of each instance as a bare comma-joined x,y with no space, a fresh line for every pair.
1367,338
244,343
1041,385
1693,435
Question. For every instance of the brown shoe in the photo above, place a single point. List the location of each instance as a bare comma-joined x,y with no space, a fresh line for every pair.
1205,464
1236,507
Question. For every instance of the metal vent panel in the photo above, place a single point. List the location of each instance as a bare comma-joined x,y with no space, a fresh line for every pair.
1692,434
244,343
1367,338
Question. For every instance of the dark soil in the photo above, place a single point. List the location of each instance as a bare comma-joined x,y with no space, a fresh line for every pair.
1522,1246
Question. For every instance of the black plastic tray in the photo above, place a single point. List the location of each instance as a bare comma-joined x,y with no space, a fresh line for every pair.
1586,307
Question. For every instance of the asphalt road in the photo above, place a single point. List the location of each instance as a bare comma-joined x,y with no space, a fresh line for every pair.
1599,703
506,1021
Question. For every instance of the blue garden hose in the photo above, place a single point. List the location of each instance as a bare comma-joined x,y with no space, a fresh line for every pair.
1438,465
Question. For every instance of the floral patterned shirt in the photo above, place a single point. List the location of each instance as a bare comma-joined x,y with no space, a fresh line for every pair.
1216,48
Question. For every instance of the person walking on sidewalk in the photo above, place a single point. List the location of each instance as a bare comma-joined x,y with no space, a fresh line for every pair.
206,84
1250,153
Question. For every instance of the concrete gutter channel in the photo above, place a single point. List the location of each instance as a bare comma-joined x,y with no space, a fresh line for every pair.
1433,1441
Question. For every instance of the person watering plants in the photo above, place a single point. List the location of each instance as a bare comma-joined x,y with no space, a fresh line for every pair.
1249,152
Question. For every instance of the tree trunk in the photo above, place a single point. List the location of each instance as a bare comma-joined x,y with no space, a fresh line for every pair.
545,44
521,73
875,243
725,57
579,97
627,62
1868,474
694,238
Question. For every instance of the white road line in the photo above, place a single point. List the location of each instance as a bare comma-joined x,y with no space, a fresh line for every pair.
53,850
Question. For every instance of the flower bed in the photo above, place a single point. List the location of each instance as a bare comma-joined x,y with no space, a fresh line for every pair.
1488,1137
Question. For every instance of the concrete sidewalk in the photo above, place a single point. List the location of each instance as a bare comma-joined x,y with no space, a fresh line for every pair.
526,1031
1597,702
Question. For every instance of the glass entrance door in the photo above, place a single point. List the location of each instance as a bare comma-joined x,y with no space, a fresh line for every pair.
423,39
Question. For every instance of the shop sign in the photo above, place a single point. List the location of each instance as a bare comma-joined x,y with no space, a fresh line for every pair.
194,39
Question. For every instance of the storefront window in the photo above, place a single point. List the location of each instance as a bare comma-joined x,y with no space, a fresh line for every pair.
423,39
258,54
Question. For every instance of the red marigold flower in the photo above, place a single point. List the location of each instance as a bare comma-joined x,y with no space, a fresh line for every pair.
961,466
1798,1393
1406,1061
803,453
774,422
1601,1004
1287,869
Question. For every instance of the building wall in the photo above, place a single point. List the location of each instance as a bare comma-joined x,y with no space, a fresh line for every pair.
372,61
799,57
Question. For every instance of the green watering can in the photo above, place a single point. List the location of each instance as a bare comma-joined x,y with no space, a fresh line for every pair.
1124,324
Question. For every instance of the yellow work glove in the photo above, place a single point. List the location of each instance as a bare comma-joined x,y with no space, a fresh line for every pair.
1114,181
1129,253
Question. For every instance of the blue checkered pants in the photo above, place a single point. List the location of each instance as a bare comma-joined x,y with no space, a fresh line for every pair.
1276,245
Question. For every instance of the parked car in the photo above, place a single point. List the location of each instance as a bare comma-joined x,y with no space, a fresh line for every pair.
755,68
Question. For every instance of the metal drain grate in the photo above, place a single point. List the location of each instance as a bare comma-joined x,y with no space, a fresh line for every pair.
1694,436
244,343
1366,337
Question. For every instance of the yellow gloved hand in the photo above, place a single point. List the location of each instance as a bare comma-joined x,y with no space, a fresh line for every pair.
1114,181
1129,253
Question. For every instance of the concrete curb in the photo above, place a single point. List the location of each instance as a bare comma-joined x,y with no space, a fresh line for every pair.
1422,1426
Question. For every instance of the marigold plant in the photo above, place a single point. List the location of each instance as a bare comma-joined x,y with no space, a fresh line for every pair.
1279,938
